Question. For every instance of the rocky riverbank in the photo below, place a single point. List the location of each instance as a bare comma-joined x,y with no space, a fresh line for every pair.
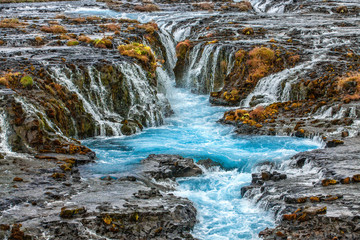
62,205
313,195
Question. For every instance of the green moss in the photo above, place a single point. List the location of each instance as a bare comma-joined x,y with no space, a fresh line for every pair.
27,81
72,43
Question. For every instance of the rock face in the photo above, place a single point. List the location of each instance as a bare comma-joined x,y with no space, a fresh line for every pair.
137,206
316,199
161,167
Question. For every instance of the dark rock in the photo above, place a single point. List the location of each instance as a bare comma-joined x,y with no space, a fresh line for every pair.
164,166
334,143
208,163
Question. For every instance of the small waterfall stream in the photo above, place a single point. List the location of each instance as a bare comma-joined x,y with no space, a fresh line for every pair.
4,146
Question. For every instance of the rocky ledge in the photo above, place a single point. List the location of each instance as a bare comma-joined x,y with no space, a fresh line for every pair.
42,201
314,195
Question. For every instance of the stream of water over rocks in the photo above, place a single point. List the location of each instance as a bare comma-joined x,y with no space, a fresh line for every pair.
193,131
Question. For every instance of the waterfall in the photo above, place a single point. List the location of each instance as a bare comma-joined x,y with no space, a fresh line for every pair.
140,97
204,74
270,89
144,99
4,126
30,109
59,75
169,44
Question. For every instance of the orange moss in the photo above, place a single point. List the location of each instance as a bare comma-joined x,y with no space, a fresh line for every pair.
261,59
72,42
147,8
11,23
349,86
150,27
242,6
93,18
78,20
248,31
294,59
102,43
207,6
84,38
54,29
182,48
141,52
111,27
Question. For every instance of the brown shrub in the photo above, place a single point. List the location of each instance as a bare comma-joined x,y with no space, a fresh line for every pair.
260,62
78,20
102,43
349,86
342,9
294,59
242,6
38,39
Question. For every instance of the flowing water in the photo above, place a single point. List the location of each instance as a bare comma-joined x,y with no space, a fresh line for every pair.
193,132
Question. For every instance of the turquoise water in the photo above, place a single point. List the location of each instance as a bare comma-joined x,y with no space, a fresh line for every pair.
193,132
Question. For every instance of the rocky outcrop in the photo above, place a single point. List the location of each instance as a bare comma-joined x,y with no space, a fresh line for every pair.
315,198
131,206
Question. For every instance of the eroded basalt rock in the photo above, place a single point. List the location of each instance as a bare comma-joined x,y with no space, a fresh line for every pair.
128,207
320,203
165,166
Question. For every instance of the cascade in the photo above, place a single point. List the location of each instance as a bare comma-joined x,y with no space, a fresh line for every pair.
204,73
33,110
141,102
4,146
269,89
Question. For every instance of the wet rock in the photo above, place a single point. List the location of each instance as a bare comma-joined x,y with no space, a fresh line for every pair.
208,163
72,212
334,143
164,166
108,178
18,179
296,199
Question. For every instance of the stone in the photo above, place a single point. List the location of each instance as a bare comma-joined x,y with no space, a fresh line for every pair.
208,163
18,179
71,212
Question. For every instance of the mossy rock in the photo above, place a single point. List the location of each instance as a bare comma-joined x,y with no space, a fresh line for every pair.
71,212
27,81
